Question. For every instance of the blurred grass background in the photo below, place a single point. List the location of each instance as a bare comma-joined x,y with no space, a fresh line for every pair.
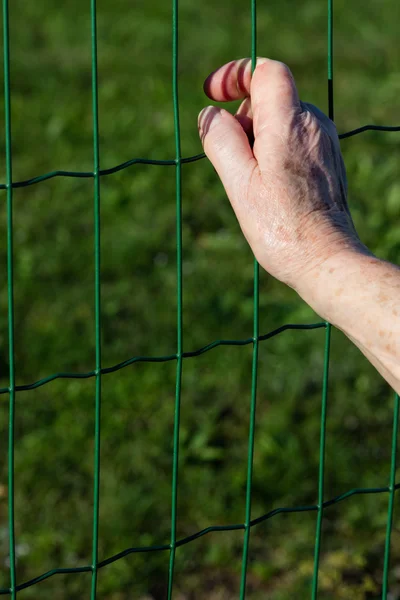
54,304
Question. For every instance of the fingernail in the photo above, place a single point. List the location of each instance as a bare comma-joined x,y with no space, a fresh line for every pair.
208,118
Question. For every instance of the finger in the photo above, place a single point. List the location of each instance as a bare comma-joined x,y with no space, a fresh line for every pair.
231,81
234,81
274,96
327,124
329,127
244,115
227,146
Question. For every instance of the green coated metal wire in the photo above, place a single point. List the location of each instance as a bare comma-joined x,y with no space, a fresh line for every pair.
179,356
254,374
331,110
392,489
10,289
321,474
199,534
179,292
166,358
162,163
97,301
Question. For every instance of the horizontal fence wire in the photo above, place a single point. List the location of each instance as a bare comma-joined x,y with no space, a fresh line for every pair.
163,163
166,358
179,356
201,533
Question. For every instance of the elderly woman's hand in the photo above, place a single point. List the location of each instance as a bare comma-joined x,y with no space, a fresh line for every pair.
280,163
288,188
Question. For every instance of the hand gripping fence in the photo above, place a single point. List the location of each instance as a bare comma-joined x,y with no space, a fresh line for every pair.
179,356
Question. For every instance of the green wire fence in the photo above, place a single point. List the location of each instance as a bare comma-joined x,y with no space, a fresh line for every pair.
180,355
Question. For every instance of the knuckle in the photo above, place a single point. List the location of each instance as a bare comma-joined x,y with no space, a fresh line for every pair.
283,70
283,74
276,68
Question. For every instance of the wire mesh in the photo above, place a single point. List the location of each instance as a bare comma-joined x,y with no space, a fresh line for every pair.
180,356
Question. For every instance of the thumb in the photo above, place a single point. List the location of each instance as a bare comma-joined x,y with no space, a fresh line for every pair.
227,146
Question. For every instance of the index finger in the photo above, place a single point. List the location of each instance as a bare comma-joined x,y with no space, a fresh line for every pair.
230,82
272,88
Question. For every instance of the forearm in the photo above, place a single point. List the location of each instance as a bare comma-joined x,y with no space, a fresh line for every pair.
288,191
360,295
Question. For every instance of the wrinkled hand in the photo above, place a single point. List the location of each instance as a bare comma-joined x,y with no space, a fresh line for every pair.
288,189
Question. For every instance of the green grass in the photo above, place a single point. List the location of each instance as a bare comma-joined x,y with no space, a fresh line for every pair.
54,311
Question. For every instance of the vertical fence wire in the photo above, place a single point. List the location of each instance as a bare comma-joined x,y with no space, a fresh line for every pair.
321,474
179,292
331,110
179,355
10,294
97,299
392,491
254,375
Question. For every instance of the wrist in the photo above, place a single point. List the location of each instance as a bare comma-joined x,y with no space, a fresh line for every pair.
328,286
